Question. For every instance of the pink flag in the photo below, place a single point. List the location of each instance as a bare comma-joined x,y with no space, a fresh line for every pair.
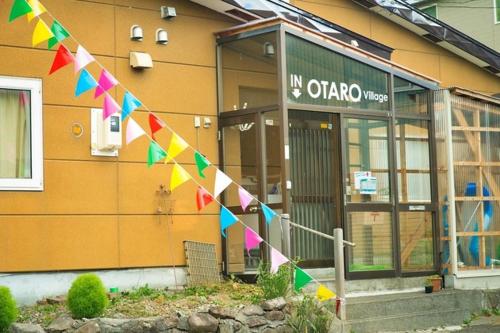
106,82
252,239
110,107
245,198
277,259
82,58
133,130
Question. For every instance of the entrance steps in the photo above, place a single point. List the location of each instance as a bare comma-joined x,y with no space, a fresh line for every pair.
410,311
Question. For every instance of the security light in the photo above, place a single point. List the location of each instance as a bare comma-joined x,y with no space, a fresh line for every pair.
269,49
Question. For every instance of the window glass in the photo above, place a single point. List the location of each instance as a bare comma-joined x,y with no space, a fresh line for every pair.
15,134
409,97
497,11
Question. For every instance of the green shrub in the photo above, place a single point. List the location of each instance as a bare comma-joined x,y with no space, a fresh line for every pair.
87,297
310,316
274,284
8,309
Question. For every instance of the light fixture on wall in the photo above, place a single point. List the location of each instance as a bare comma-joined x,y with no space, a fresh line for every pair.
136,33
161,36
207,122
245,127
168,12
269,49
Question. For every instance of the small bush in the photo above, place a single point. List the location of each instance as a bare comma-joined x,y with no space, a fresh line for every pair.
87,297
310,316
274,284
8,309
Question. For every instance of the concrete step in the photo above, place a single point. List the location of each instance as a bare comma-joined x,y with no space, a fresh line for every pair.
358,308
407,322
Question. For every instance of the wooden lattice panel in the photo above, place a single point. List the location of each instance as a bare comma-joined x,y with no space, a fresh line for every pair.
201,260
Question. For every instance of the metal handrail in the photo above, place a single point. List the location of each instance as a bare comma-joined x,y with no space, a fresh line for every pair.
319,233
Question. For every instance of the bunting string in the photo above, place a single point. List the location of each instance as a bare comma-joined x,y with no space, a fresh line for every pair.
155,152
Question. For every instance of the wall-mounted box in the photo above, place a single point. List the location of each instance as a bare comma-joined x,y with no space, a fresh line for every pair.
106,134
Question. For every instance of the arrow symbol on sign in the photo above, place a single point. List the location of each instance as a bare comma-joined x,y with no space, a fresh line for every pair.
296,92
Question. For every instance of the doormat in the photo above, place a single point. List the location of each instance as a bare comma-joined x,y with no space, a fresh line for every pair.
201,260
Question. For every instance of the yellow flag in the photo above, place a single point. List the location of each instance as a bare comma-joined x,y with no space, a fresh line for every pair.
41,33
177,146
179,177
36,9
324,294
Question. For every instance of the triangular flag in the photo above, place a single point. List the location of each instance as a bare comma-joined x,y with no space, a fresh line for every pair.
201,163
59,32
269,214
179,177
85,83
301,279
130,103
226,219
106,82
221,182
203,198
252,239
155,153
41,33
177,146
63,57
245,198
19,8
324,294
277,259
36,9
155,124
82,58
133,130
110,106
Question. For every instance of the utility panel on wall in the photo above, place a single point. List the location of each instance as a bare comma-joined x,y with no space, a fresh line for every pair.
106,134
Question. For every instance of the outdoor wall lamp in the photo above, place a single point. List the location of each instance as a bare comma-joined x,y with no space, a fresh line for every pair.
136,33
269,49
161,37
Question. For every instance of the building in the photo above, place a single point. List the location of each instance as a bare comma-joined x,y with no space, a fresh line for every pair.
357,86
478,19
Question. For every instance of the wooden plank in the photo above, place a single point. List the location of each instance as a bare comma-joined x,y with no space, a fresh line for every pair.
475,129
478,233
477,198
474,163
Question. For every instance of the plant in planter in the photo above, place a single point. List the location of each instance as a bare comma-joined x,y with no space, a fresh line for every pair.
428,287
435,281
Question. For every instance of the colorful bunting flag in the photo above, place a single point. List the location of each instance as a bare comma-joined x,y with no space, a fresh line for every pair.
252,239
245,198
133,130
155,124
226,219
179,177
221,182
110,106
155,153
85,82
41,33
82,58
269,214
106,82
324,294
277,259
201,163
63,57
36,9
130,103
203,198
19,8
59,32
177,146
301,279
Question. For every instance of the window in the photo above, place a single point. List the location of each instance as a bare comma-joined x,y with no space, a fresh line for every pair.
432,10
21,148
497,10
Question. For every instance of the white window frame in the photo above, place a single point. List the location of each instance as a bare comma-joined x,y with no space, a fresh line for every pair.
35,183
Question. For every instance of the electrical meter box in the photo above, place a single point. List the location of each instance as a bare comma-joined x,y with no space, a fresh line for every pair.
106,134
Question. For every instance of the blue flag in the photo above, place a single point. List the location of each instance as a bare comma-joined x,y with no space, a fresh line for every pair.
269,214
226,219
130,103
85,83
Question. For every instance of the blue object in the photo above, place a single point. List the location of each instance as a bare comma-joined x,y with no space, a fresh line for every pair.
85,83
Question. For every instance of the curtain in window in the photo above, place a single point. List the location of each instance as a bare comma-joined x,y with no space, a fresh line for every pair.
15,134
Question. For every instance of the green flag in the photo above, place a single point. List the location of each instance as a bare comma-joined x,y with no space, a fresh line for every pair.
155,153
59,33
301,279
201,163
19,8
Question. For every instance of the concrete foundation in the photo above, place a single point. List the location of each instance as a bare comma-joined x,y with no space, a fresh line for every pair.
27,288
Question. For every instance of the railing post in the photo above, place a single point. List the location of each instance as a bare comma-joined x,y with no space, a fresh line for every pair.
285,239
339,272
